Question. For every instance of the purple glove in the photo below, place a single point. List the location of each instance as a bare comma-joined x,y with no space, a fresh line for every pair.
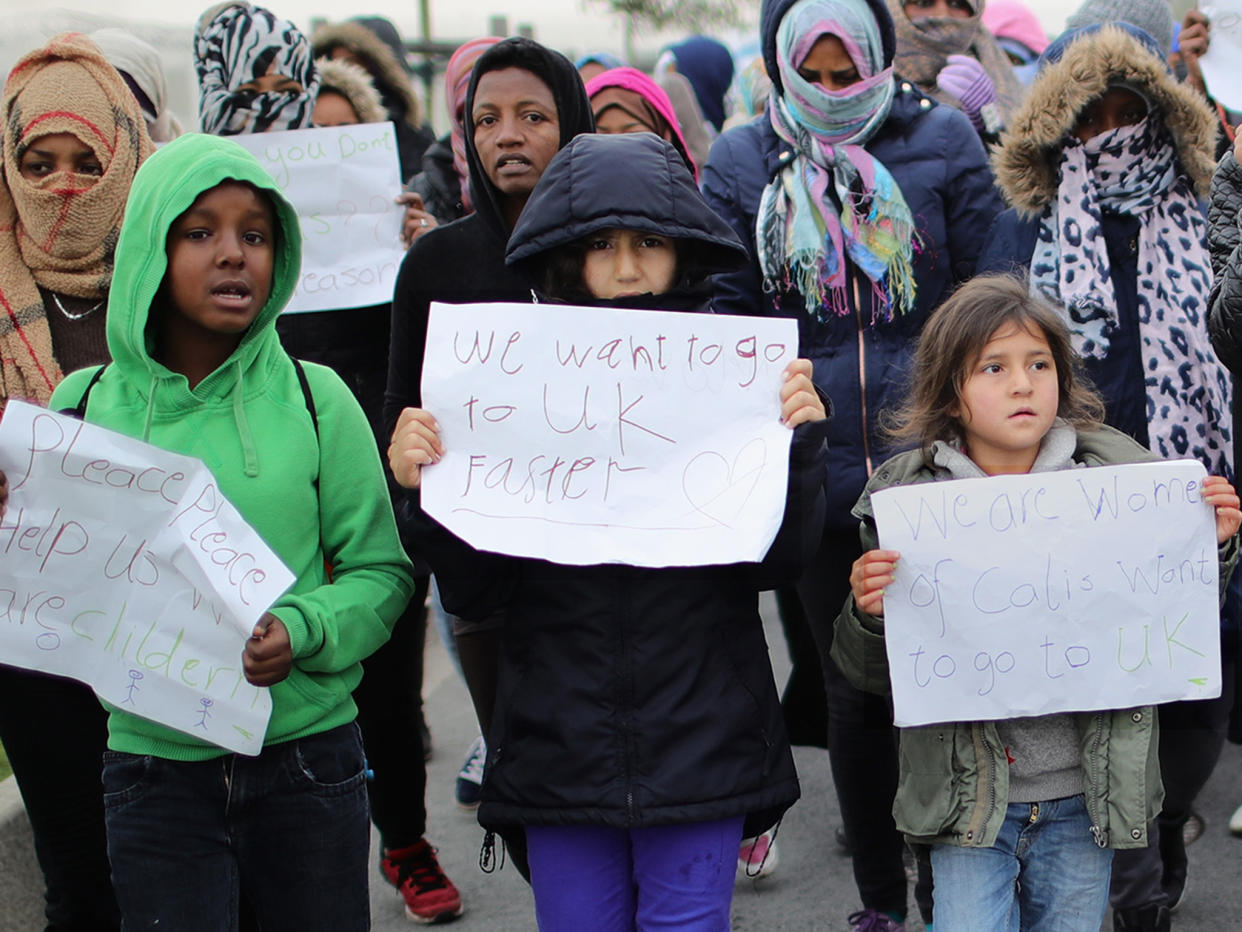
964,78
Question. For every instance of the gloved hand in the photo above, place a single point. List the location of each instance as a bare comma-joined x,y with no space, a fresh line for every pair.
964,78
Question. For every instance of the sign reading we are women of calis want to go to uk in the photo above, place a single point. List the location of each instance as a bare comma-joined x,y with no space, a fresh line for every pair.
124,566
1050,592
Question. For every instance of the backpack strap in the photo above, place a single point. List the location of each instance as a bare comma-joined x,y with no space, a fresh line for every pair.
306,392
80,410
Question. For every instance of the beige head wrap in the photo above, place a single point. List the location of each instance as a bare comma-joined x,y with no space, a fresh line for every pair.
59,232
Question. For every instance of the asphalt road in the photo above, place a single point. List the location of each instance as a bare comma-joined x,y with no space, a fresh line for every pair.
812,888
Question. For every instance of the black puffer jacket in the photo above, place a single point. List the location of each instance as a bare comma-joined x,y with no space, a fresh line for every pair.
632,696
1225,240
1225,309
437,184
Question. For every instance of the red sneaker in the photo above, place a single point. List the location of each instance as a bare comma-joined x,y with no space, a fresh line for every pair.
430,897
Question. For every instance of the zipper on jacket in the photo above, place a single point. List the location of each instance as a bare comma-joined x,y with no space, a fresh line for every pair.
985,757
1101,839
862,376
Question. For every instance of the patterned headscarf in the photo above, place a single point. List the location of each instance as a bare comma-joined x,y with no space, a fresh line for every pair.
59,232
237,43
802,236
456,83
1134,171
924,46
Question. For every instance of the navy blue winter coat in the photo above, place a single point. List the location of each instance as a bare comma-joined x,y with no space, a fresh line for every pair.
935,156
631,696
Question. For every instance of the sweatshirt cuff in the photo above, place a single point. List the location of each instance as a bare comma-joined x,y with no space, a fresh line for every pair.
295,623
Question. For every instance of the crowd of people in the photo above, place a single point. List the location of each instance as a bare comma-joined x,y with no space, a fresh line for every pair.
1005,253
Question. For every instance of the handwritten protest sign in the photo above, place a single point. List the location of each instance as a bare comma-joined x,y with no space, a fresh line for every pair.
124,566
1064,591
1220,63
592,435
343,182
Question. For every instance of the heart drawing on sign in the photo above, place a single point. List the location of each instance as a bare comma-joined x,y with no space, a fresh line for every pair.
719,489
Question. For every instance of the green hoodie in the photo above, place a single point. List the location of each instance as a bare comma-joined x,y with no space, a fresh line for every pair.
318,500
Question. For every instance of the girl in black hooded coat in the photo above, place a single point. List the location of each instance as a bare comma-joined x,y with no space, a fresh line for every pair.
637,727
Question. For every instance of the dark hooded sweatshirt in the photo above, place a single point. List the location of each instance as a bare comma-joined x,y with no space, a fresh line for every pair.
464,262
632,696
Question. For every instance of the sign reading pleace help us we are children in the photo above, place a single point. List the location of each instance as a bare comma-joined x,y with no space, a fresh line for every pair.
589,435
122,565
343,181
1050,592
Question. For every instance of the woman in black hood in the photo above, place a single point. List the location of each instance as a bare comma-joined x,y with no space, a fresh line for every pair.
524,102
617,682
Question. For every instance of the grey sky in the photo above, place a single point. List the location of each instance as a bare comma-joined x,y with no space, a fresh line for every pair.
574,25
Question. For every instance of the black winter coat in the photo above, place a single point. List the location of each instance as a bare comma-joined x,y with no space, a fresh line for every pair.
1225,309
633,696
437,183
1224,240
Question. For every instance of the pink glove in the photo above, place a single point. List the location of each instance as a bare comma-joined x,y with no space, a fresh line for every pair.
964,78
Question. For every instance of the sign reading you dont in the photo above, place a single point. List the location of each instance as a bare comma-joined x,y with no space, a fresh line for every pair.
123,565
1050,592
343,181
590,435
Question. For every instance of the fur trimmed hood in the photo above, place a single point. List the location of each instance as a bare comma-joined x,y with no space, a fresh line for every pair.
354,84
377,59
1077,68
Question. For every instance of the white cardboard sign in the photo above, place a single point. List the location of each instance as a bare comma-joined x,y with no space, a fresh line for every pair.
343,181
588,435
1051,592
122,565
1220,63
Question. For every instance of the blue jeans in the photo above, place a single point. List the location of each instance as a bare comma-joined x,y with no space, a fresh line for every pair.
1045,873
289,829
662,877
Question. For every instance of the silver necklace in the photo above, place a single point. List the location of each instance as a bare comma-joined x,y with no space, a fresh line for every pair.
86,313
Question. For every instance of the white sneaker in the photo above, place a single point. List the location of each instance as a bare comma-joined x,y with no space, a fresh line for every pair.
757,856
469,784
1235,822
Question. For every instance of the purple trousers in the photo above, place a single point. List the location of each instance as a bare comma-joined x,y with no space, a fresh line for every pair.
618,880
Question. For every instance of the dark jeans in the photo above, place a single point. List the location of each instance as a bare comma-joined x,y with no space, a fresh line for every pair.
54,732
804,703
862,747
288,830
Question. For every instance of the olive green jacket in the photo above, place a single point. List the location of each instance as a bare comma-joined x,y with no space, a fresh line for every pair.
954,777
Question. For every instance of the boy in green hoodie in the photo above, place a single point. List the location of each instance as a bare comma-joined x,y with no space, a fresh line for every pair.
208,256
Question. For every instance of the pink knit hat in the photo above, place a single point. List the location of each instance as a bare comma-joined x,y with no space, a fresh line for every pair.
1012,19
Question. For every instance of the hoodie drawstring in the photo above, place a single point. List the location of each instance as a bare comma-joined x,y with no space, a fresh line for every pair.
146,424
249,454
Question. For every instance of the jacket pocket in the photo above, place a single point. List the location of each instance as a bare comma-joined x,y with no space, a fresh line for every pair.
929,800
